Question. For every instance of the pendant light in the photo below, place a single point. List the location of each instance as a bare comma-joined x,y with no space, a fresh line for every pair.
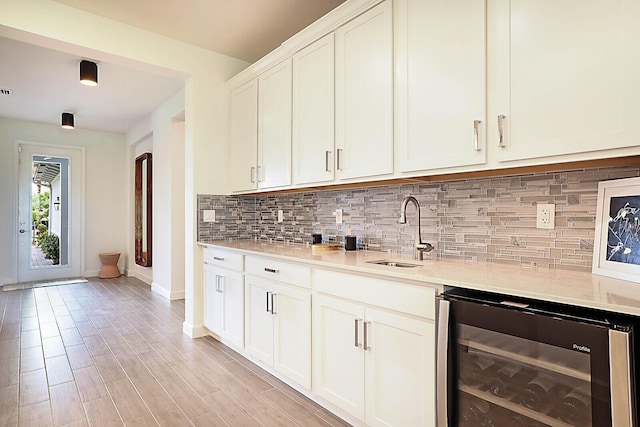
67,121
88,73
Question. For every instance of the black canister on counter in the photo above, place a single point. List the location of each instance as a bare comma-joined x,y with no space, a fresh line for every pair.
350,243
316,238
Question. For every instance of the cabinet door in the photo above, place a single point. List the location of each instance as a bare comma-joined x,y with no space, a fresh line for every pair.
364,94
274,126
292,333
213,306
400,370
243,131
441,83
568,77
339,358
232,287
258,336
313,112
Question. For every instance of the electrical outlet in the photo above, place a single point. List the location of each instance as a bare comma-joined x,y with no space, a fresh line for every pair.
280,215
338,213
209,215
546,216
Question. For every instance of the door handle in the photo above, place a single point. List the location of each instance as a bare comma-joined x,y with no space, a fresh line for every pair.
22,230
366,335
355,342
501,119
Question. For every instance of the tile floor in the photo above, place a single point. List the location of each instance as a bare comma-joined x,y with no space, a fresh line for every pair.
110,352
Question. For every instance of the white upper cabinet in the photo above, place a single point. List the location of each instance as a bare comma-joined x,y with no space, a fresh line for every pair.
364,94
313,112
567,77
441,84
274,127
244,137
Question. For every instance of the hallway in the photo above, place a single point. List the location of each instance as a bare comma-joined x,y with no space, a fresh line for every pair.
110,352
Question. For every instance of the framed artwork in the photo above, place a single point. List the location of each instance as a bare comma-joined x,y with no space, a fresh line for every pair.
616,249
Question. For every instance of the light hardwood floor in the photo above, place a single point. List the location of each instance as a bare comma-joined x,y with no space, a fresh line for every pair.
111,352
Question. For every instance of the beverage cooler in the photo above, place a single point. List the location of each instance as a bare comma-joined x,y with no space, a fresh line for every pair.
504,361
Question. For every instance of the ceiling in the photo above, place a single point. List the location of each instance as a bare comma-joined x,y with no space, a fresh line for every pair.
44,82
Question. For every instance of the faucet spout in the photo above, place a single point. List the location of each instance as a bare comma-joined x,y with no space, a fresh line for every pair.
420,246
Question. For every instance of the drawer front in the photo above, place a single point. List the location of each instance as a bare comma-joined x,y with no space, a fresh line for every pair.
280,271
401,297
222,258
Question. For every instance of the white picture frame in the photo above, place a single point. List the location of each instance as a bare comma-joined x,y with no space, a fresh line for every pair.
616,246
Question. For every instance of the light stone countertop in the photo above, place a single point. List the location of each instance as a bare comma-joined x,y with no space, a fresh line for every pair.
564,286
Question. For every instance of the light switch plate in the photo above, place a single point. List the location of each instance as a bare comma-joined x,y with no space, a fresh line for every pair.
280,215
209,215
338,213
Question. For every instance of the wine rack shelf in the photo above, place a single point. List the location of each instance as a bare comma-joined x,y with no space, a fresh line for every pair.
544,364
511,406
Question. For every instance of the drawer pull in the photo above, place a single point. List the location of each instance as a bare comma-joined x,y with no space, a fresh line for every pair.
217,258
355,342
270,270
366,336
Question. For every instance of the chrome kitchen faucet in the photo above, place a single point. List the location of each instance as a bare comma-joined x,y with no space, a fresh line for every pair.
420,247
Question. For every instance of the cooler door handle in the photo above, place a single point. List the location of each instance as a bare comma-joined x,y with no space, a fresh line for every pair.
442,351
619,378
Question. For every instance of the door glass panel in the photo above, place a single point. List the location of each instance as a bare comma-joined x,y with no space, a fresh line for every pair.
49,212
507,380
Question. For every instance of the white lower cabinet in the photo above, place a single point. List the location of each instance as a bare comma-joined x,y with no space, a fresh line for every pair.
278,327
376,365
224,304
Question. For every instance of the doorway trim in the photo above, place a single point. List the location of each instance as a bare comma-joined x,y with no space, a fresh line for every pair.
80,194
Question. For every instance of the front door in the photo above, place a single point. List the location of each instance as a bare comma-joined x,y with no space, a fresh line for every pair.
50,201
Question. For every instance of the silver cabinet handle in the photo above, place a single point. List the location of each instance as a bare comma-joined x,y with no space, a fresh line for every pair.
501,119
355,342
339,166
620,372
273,307
259,174
326,161
217,258
253,173
476,126
268,293
366,335
218,283
271,270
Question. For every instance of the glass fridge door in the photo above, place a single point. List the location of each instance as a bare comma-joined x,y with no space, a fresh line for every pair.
516,368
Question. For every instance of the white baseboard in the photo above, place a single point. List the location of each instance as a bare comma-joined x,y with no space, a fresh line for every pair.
194,331
166,293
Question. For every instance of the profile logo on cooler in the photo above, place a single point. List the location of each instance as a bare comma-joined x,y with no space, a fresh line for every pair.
582,348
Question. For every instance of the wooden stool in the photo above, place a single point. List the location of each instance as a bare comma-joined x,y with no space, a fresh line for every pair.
109,265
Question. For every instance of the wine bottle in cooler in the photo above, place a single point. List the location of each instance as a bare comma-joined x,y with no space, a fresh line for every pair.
536,392
475,368
575,408
503,381
475,412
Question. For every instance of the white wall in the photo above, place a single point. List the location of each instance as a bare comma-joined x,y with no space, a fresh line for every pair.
54,25
105,208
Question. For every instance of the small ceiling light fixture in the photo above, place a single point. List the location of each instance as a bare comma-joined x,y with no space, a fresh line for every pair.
67,121
88,73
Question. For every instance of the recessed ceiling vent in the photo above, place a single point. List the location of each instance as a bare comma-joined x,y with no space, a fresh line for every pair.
7,92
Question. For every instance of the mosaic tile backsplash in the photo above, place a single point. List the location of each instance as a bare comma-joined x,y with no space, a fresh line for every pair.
480,219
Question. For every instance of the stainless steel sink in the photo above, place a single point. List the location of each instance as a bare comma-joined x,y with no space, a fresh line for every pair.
389,263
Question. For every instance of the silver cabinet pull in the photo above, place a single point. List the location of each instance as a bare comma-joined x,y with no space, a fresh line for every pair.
273,307
217,258
326,161
476,126
271,270
501,119
259,174
268,293
338,153
442,368
366,335
218,283
355,342
253,173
